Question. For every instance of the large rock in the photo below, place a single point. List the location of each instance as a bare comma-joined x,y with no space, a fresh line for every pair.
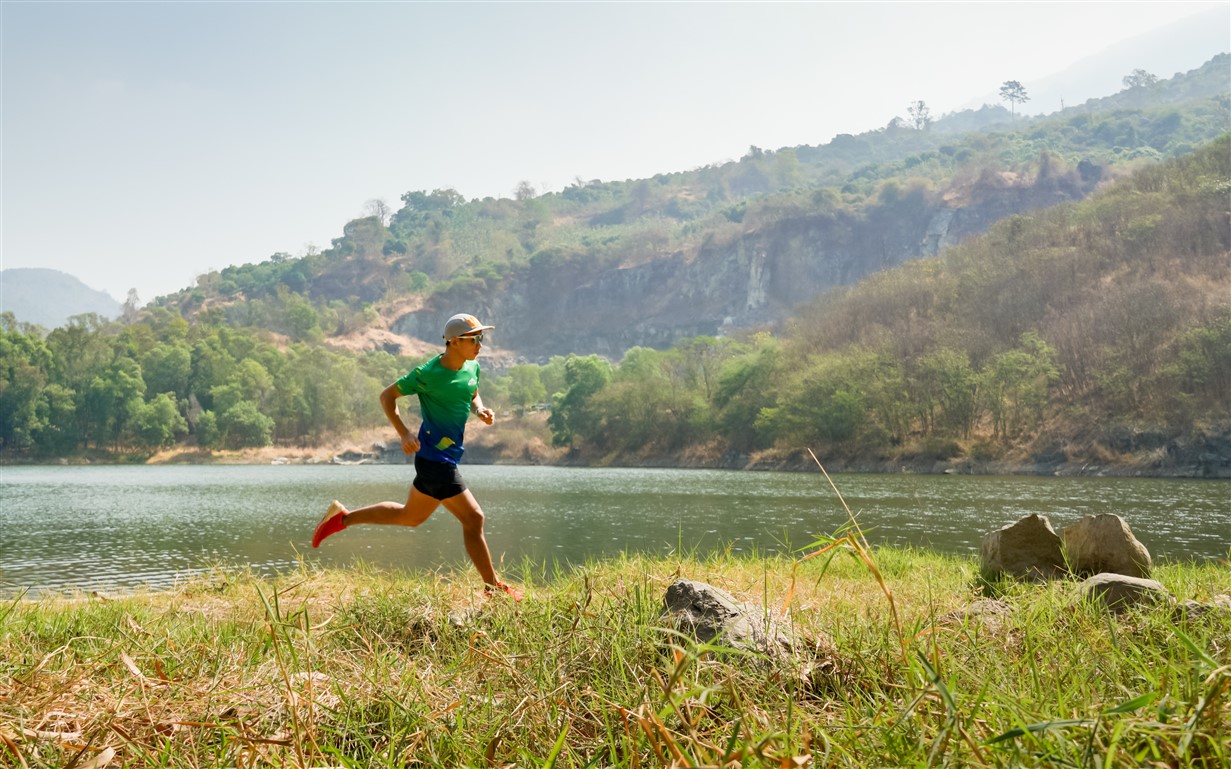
710,614
1120,593
1104,543
1028,549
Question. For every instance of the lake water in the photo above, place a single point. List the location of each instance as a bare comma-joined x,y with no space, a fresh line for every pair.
121,527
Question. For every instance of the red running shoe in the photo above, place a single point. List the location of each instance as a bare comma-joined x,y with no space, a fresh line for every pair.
333,522
501,588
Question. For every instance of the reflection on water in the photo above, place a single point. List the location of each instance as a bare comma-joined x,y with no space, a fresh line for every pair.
121,527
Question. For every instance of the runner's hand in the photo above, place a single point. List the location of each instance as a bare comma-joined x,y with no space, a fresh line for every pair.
410,444
487,415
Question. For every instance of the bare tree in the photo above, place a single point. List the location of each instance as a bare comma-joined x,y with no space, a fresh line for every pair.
379,208
525,191
132,304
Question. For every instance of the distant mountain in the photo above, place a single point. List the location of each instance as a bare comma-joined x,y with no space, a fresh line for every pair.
1178,47
50,297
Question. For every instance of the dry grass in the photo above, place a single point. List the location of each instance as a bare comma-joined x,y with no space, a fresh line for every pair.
374,668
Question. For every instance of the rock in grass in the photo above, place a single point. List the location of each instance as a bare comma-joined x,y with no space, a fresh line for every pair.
1119,593
1028,549
1099,544
1194,611
710,614
987,613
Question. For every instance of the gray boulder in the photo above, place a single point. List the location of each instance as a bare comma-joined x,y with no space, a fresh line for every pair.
811,665
709,614
1104,543
1028,549
1119,593
1219,607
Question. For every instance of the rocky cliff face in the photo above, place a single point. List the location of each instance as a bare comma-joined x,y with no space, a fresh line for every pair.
754,279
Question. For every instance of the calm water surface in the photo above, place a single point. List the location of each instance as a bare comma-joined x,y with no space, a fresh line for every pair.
111,528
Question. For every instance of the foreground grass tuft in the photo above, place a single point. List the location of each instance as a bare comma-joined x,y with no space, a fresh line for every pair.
366,668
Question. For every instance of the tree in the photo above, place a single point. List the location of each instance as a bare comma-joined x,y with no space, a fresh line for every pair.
57,420
301,319
747,384
112,400
583,377
243,426
947,391
207,430
167,368
786,168
24,360
525,386
525,191
699,360
643,409
1138,78
1014,93
158,423
920,115
1016,384
80,350
378,208
131,312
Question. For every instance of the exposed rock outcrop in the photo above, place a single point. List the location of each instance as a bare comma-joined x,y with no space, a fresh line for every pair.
746,280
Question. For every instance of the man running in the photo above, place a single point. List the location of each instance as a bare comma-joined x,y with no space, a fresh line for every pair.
448,391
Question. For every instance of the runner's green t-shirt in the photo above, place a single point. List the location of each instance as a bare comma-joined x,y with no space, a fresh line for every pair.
444,401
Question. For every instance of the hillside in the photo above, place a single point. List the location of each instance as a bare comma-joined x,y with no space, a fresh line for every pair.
607,265
1086,337
48,298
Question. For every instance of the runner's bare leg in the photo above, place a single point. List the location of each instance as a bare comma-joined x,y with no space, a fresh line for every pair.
466,509
418,508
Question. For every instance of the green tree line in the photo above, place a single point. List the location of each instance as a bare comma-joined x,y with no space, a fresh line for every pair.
153,383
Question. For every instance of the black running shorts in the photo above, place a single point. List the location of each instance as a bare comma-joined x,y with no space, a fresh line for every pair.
438,480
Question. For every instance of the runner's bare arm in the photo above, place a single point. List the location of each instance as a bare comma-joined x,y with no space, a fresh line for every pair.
479,410
389,402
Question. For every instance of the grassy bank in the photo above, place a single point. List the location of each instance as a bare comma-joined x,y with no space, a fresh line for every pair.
371,668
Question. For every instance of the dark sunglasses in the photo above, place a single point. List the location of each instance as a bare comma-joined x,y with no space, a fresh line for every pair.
476,337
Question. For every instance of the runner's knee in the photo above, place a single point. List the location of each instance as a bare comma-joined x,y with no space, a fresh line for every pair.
472,520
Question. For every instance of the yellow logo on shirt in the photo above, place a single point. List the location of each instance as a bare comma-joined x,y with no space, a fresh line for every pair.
444,443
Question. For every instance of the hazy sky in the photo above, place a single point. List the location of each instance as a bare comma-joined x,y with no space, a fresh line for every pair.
145,143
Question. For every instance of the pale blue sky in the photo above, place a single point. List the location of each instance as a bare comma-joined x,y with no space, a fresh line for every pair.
146,143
